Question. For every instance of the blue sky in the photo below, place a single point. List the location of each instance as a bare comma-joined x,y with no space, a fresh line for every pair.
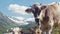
4,4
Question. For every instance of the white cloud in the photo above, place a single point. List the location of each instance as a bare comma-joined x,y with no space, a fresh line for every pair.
17,8
30,19
18,20
21,20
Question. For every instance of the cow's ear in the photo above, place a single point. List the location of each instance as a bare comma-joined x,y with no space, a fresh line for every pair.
28,10
43,7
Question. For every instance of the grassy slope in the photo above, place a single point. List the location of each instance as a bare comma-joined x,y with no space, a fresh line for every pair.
3,28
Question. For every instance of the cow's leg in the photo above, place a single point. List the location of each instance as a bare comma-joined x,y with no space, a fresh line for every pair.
43,29
43,32
51,26
49,31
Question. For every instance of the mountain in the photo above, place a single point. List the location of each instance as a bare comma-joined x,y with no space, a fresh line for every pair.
5,23
25,23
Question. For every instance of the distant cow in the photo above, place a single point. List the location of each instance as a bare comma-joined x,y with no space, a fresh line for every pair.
46,16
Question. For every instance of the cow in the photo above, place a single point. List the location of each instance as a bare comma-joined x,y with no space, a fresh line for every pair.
46,16
36,11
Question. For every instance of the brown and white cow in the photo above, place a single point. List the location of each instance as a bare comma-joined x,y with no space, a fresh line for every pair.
46,16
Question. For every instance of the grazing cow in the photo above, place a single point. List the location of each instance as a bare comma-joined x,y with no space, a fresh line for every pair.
46,16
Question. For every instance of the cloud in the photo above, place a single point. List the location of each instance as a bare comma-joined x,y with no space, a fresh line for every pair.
30,19
21,20
18,20
15,8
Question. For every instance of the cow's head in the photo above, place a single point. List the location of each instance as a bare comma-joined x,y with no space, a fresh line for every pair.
35,9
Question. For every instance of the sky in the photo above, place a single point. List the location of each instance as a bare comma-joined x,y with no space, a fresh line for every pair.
16,8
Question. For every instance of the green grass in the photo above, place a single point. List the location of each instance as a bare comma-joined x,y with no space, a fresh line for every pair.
56,30
3,28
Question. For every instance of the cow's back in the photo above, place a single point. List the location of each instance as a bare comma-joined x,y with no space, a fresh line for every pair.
54,12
